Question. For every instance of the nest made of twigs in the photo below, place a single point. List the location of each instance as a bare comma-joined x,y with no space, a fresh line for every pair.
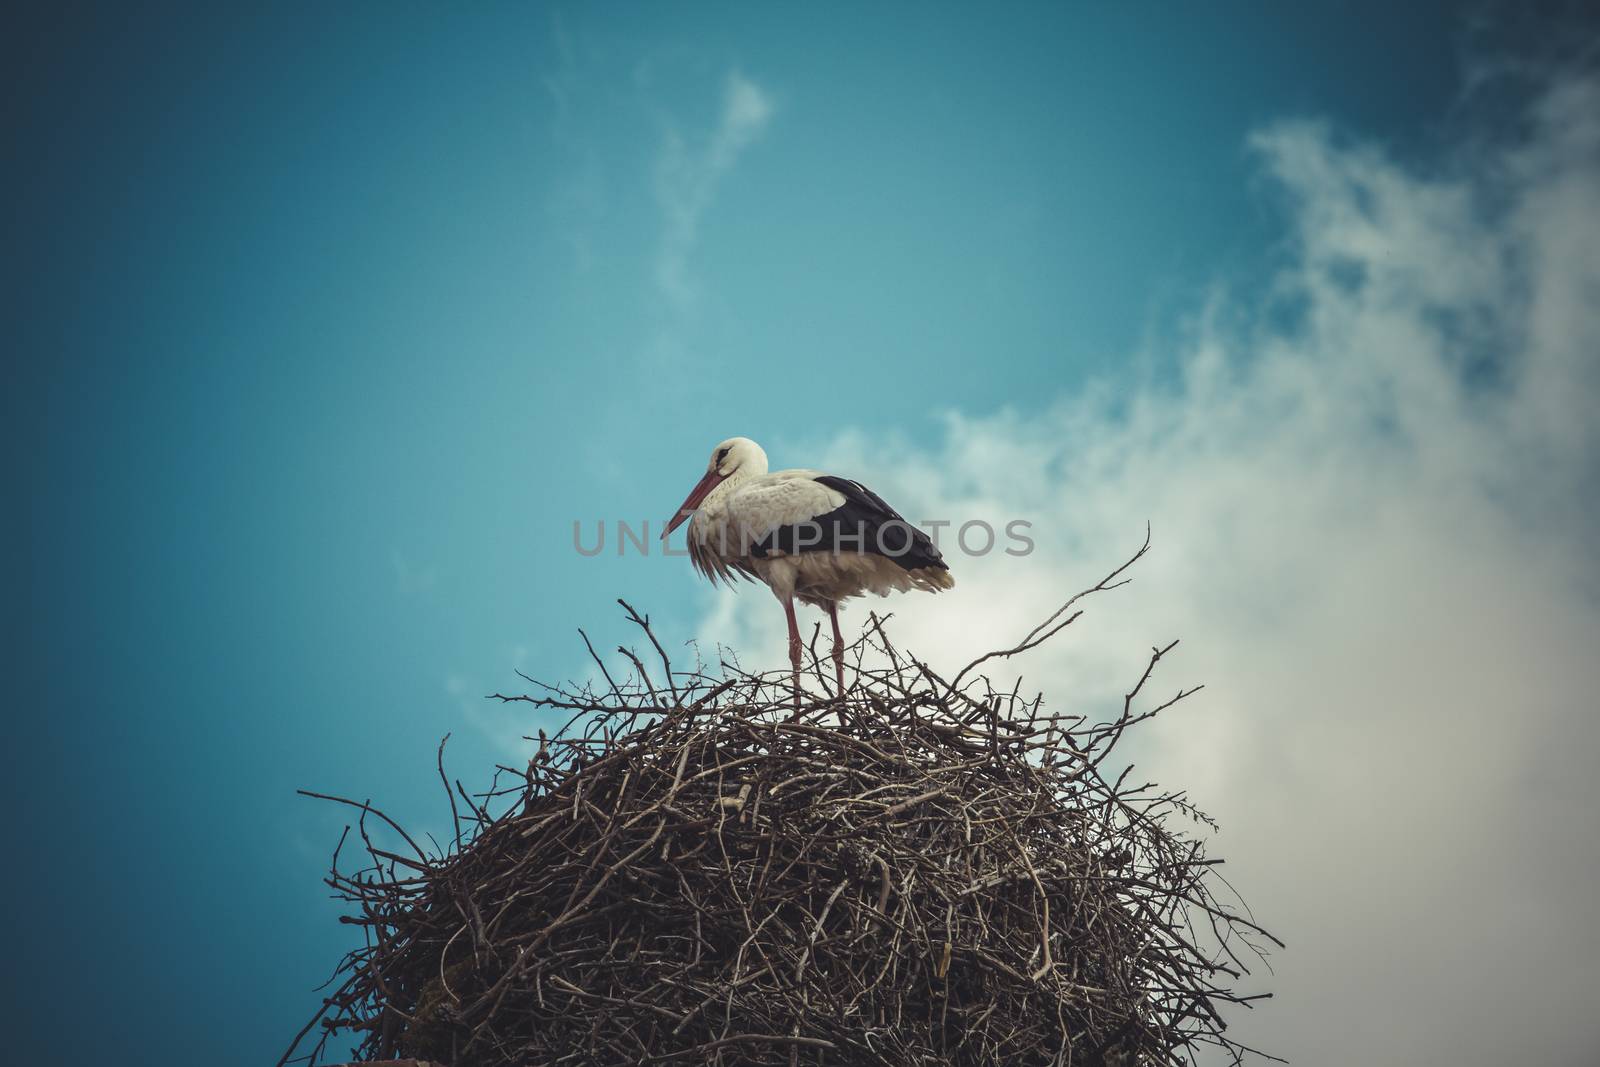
913,873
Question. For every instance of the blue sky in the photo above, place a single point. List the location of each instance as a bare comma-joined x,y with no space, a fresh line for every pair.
327,324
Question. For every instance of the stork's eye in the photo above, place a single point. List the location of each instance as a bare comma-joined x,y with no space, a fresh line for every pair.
722,454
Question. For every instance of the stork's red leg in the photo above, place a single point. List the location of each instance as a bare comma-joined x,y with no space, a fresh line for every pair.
794,642
838,645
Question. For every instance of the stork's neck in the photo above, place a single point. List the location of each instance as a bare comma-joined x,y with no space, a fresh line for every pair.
716,502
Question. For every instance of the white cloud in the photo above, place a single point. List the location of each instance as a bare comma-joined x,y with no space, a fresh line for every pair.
687,177
1371,492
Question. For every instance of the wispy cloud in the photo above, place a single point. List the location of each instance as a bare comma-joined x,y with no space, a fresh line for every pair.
1371,492
687,176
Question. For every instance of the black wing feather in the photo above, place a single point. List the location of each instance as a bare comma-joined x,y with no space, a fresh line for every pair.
863,523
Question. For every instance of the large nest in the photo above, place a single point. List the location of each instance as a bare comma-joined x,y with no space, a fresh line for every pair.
710,870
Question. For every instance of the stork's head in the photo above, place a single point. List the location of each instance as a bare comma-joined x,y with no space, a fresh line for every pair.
736,455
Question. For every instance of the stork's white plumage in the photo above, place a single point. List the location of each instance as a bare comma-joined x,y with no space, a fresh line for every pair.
809,536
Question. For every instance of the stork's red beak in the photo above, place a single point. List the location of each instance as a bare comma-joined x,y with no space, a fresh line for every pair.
692,501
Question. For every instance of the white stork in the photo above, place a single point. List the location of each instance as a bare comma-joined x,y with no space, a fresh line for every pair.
811,537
